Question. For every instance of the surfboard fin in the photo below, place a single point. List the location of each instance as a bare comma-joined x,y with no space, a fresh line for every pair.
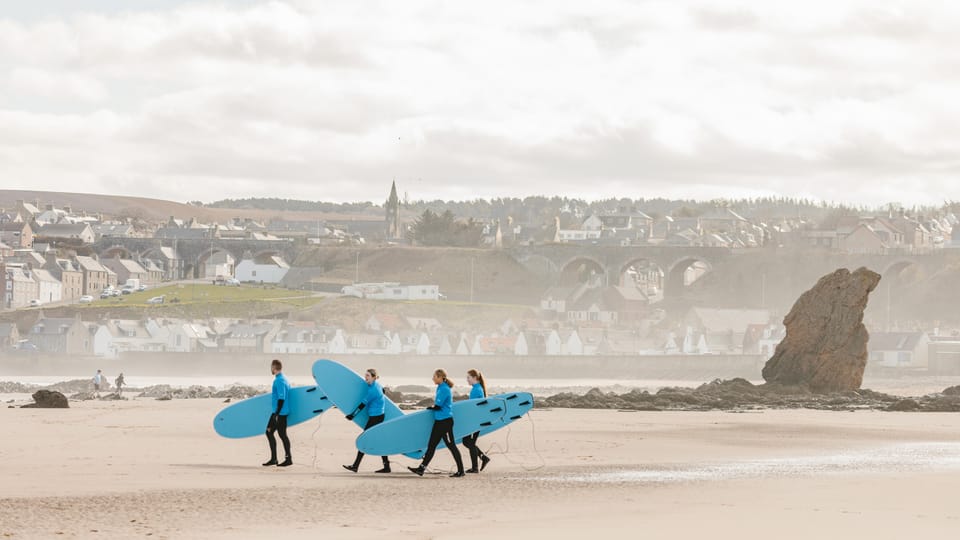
525,403
498,409
486,424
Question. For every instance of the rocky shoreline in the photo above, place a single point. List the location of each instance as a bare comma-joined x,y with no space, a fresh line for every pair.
728,395
741,395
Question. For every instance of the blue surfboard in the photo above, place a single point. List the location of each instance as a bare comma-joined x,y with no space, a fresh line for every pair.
248,418
518,404
346,389
410,433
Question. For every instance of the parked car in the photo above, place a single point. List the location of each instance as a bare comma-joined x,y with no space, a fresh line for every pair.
142,288
86,299
24,345
126,290
156,300
34,303
232,282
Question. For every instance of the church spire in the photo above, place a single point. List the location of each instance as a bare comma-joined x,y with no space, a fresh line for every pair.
392,218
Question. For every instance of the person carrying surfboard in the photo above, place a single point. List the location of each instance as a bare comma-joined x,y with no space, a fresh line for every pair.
442,425
278,420
478,389
374,404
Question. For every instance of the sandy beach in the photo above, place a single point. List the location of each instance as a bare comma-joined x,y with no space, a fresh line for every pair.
147,468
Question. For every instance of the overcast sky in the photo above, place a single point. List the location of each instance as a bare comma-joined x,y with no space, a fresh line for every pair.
855,101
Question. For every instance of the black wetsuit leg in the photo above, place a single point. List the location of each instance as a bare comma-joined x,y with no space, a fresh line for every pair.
470,441
452,445
282,432
436,434
371,421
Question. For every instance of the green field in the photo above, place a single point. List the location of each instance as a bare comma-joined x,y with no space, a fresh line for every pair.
207,294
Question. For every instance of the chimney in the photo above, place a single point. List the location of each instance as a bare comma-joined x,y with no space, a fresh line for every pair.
49,207
68,209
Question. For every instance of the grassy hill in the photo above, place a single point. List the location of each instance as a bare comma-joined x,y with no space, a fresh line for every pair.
160,210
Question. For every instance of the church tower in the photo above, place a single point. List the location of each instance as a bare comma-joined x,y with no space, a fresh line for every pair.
392,207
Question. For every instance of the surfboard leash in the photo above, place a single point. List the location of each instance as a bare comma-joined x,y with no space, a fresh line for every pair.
506,451
316,447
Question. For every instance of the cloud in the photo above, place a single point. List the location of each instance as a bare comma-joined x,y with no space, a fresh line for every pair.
846,100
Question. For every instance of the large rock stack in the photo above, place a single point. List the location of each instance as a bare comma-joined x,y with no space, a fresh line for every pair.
825,348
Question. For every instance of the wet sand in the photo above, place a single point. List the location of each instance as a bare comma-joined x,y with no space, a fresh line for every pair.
147,468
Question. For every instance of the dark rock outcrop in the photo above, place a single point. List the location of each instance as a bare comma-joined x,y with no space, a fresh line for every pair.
48,399
825,348
740,395
951,391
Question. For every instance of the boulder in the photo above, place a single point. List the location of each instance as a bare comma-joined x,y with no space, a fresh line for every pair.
48,399
825,348
951,391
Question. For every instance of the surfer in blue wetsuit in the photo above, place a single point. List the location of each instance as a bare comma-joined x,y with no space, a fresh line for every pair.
478,389
278,420
373,403
442,425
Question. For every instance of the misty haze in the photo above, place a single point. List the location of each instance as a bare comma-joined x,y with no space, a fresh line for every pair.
674,268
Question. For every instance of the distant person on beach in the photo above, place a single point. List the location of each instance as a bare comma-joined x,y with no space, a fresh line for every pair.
442,425
373,403
97,381
478,389
278,420
119,382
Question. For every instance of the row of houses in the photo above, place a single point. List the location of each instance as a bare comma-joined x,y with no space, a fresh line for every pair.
28,276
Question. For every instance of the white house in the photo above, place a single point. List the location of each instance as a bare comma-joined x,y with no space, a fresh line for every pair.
445,347
423,344
462,348
337,345
102,341
571,235
573,345
553,345
391,291
49,288
269,269
219,264
898,349
477,348
190,337
520,348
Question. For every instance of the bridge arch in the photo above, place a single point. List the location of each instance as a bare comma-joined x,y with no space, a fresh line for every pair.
115,250
202,268
581,269
684,272
645,274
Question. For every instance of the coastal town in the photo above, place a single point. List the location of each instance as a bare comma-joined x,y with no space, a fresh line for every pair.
617,288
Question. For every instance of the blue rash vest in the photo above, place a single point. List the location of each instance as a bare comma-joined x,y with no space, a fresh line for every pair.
477,391
373,403
444,400
281,390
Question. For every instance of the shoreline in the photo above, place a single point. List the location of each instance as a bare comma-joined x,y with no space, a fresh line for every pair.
139,467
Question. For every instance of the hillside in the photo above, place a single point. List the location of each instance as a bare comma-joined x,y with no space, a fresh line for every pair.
160,210
496,276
